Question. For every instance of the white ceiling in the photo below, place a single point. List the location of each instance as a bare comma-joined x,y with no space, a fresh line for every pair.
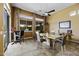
44,7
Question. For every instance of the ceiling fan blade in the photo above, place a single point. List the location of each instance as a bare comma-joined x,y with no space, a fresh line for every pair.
51,11
49,15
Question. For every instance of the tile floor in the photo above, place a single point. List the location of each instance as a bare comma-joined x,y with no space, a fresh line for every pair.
30,48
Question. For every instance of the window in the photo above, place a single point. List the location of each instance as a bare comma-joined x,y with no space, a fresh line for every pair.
72,13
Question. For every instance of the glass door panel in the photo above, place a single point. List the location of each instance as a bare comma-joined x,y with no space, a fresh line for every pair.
6,29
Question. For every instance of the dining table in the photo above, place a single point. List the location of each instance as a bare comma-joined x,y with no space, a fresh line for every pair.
52,39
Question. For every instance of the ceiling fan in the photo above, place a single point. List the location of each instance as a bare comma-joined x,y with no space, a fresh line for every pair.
48,13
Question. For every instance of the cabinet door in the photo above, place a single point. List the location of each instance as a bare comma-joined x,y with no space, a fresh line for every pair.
27,34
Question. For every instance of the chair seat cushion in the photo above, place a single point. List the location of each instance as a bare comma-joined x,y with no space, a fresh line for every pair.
42,40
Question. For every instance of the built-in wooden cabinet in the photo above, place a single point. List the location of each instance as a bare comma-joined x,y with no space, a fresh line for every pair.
25,20
28,35
26,25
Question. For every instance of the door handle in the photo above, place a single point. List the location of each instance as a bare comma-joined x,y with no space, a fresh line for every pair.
1,32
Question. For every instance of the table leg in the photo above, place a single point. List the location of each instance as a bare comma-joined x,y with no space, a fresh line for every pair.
51,43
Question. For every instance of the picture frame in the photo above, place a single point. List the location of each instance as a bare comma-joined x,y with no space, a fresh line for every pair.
65,24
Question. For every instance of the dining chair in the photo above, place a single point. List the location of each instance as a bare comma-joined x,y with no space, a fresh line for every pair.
62,43
38,39
38,36
47,42
42,41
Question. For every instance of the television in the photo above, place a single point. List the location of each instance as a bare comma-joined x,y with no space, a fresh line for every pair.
65,24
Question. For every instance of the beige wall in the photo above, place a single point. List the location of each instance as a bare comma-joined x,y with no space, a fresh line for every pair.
63,15
1,29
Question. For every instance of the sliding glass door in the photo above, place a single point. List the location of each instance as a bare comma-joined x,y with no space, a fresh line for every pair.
6,29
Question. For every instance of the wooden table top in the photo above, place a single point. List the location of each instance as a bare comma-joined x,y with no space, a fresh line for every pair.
50,36
42,34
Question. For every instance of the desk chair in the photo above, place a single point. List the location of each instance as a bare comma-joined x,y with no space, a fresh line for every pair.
22,36
18,37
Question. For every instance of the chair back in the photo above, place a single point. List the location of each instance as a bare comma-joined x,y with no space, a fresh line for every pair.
38,36
16,35
22,33
47,40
